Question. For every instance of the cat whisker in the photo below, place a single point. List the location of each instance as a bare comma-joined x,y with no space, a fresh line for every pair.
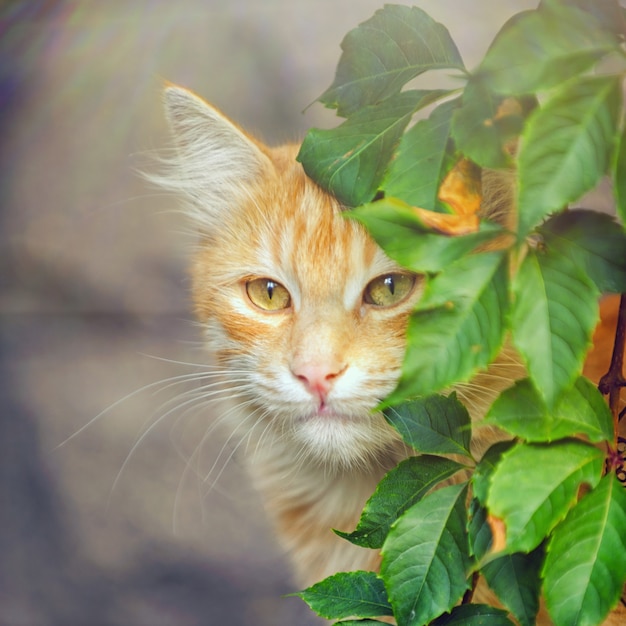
196,401
199,400
204,366
268,430
203,392
157,385
195,469
208,477
189,459
145,431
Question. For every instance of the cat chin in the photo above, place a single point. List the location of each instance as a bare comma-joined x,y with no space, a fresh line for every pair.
343,442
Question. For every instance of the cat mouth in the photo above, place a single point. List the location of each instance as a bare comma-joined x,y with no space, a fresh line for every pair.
324,410
327,413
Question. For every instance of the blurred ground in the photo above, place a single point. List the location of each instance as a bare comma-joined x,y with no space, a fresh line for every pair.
95,529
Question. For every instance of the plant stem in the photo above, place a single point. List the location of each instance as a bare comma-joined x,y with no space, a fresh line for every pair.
612,382
469,594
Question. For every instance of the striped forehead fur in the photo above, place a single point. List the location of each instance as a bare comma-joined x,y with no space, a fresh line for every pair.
312,241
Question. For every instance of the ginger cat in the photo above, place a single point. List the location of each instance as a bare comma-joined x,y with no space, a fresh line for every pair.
306,317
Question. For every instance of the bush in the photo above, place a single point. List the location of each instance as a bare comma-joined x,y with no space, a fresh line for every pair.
544,108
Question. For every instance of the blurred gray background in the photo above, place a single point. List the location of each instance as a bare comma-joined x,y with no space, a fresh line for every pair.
103,521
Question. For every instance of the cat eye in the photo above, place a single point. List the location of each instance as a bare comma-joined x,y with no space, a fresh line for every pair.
267,294
389,289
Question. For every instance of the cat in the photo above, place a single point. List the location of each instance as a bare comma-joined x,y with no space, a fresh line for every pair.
306,317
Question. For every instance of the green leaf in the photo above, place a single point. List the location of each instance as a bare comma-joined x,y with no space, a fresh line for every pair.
350,160
535,485
457,327
566,147
474,615
478,531
425,557
554,314
400,489
585,569
404,237
480,132
382,54
592,240
608,13
434,424
515,579
481,477
540,49
420,162
348,594
581,410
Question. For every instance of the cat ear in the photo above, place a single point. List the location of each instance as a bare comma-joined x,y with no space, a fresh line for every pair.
216,165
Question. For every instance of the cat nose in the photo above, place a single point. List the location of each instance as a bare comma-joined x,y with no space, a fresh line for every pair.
318,379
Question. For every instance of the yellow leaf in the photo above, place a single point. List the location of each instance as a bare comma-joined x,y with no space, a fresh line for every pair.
498,533
461,190
447,223
508,107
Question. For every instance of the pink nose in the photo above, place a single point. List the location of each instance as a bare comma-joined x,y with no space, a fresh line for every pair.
318,379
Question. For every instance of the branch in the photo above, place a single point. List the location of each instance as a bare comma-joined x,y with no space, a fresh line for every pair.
612,382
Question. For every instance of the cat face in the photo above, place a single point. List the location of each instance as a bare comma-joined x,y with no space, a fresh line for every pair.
304,312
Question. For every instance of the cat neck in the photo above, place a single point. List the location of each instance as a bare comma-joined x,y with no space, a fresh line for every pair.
305,500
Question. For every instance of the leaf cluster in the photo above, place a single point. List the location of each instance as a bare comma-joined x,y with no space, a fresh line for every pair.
544,108
515,516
